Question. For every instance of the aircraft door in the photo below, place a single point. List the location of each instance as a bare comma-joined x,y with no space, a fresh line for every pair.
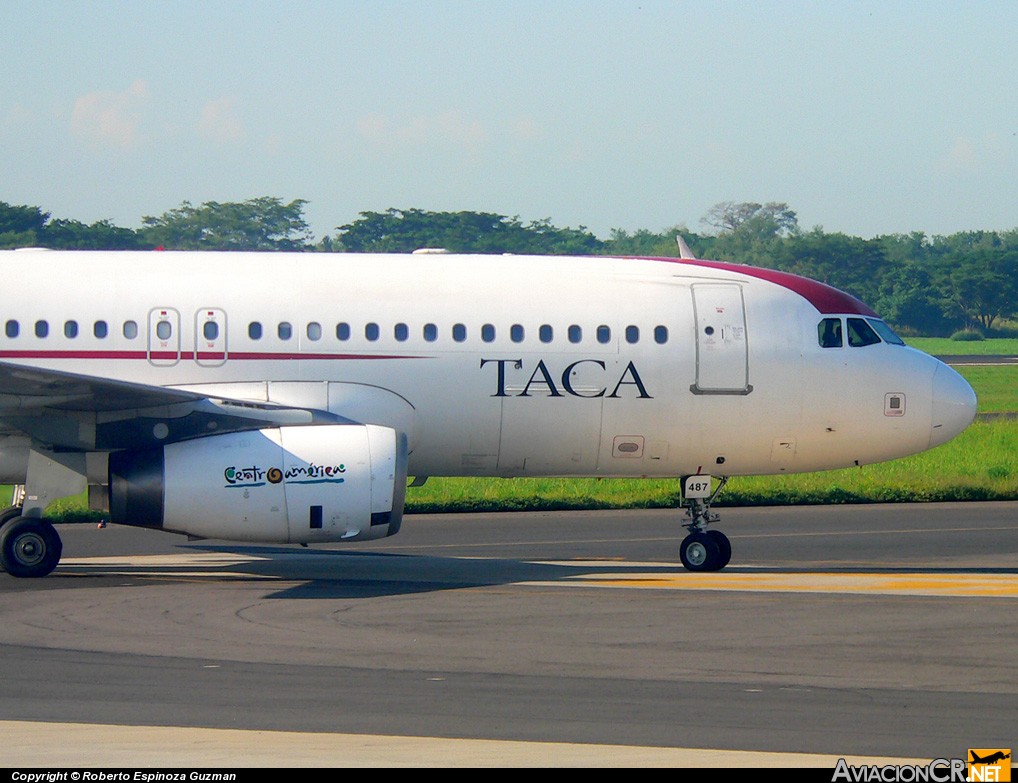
163,336
210,337
722,350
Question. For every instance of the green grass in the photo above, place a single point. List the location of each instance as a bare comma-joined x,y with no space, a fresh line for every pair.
980,464
996,386
944,346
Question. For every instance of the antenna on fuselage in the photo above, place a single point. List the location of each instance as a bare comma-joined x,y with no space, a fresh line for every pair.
684,251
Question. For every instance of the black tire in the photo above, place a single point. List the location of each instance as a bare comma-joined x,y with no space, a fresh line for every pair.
724,547
29,547
8,513
699,552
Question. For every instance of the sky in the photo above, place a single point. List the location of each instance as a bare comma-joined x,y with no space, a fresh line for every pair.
867,118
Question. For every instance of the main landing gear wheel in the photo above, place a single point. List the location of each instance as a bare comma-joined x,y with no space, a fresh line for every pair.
29,547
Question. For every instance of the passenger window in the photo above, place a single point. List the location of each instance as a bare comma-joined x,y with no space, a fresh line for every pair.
254,330
459,332
430,332
545,333
861,333
488,333
516,333
632,334
12,329
284,330
371,331
401,332
829,333
604,334
210,330
100,329
660,334
70,329
164,329
342,331
42,328
575,334
130,330
314,331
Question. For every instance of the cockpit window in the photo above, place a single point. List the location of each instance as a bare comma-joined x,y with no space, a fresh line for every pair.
861,333
885,331
829,333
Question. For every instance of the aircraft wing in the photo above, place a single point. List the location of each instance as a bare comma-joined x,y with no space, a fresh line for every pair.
84,412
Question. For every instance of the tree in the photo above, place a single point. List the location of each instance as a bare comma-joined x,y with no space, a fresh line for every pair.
406,230
101,235
750,233
263,223
912,299
850,263
911,248
755,221
20,226
25,226
984,286
662,244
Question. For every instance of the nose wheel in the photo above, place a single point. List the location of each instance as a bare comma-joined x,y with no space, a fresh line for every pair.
703,549
707,551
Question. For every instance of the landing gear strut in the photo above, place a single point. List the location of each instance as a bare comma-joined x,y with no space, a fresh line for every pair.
702,549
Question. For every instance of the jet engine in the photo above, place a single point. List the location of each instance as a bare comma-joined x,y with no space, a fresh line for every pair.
286,485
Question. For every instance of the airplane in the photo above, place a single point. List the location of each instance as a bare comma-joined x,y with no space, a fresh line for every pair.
288,397
993,758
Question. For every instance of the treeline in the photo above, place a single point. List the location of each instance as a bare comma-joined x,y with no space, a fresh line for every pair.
922,284
257,224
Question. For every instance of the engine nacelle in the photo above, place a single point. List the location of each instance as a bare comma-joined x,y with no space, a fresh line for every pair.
287,485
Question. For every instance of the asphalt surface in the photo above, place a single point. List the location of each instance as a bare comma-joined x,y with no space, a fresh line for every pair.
977,359
565,638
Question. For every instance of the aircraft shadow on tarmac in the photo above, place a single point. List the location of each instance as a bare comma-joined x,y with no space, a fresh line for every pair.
330,574
324,573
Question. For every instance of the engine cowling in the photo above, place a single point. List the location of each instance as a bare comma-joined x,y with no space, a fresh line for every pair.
285,485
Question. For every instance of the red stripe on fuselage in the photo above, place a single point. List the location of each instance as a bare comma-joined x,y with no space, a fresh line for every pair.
43,354
240,356
827,299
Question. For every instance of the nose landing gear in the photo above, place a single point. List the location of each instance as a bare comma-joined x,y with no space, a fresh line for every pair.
703,549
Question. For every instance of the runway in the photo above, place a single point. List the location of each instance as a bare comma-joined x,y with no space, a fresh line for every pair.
550,639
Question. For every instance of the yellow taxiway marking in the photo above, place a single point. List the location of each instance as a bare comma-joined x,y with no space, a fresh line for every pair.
938,584
72,745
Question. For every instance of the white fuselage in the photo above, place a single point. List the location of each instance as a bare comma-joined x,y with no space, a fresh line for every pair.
494,365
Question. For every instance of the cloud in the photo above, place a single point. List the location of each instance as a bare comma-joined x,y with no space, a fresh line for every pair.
220,122
372,127
527,128
13,117
110,118
450,127
971,155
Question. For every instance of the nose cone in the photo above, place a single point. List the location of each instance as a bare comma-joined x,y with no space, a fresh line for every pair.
954,405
